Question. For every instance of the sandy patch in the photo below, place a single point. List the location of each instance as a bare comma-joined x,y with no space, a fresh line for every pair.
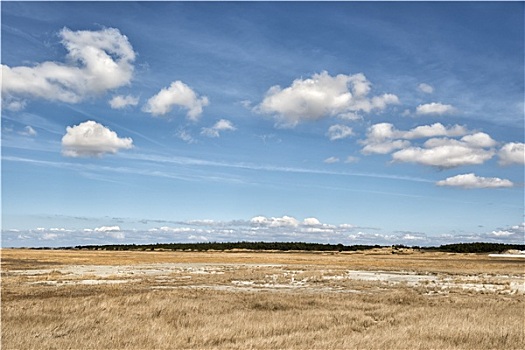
182,275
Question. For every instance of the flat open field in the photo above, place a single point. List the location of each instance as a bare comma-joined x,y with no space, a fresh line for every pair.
64,299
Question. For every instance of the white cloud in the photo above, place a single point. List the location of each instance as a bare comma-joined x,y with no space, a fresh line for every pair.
290,226
97,61
285,221
479,139
10,104
346,226
221,125
246,104
414,236
110,231
322,96
382,131
502,233
351,159
28,131
384,147
434,109
331,160
91,139
185,136
436,129
203,222
311,222
261,228
59,229
49,236
514,233
428,89
351,116
473,181
120,102
339,131
512,153
380,139
116,234
177,94
107,229
176,229
198,238
371,237
444,153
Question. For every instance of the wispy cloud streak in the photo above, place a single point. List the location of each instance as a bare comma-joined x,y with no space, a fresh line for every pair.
264,167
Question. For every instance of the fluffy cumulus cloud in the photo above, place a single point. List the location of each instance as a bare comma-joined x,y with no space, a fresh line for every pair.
384,138
384,147
436,129
91,139
322,96
512,153
311,222
379,139
97,61
479,139
120,102
435,109
472,149
179,95
442,152
338,132
473,181
217,128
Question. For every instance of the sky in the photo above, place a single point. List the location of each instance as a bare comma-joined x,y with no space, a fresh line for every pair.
340,122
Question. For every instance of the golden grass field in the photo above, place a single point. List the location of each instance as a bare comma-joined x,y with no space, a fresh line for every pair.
71,299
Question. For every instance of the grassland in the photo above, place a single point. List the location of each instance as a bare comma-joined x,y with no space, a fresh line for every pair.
54,299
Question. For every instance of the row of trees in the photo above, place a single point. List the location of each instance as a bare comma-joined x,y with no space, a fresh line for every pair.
281,246
477,247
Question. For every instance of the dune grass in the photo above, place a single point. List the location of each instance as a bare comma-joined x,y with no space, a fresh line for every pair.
117,318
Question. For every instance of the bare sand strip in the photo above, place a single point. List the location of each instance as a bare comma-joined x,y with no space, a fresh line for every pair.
281,278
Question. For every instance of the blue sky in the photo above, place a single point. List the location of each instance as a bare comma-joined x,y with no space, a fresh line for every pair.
340,122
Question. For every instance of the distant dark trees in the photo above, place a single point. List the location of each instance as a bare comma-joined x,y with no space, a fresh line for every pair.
477,247
205,246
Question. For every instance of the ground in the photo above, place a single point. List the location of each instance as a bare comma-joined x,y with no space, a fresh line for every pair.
57,299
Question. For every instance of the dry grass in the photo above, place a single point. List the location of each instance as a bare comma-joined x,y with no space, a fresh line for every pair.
195,305
375,259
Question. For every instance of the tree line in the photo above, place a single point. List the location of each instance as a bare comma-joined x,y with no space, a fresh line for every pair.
477,247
